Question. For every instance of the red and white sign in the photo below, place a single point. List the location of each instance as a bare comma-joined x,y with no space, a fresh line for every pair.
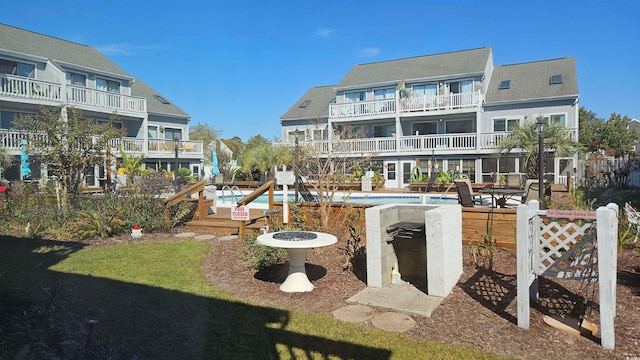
239,213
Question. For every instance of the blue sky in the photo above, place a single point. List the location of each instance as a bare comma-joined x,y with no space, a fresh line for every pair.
239,65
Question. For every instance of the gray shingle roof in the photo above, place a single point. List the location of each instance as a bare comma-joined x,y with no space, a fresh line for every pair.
57,50
320,97
531,80
445,64
140,88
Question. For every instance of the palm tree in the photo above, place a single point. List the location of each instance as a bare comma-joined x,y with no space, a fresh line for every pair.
5,160
265,157
524,137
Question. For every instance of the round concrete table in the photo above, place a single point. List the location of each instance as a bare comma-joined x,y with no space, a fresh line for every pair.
297,244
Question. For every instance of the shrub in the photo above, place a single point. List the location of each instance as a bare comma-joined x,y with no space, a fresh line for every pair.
261,256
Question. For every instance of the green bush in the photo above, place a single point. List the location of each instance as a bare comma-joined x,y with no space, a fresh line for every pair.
260,256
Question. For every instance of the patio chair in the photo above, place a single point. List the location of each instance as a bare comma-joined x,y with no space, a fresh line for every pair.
466,196
531,191
632,219
513,181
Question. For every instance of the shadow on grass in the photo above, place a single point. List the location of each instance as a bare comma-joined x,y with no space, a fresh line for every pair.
146,321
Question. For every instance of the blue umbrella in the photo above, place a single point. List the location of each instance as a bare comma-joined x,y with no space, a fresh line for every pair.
214,161
25,171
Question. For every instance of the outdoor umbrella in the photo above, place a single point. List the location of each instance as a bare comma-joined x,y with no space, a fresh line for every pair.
25,170
214,161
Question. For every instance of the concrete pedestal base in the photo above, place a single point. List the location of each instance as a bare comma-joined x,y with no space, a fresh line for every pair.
297,280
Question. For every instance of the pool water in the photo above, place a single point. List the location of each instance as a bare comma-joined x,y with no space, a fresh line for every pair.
368,199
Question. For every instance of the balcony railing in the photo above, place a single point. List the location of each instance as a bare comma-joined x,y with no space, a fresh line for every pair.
79,95
24,87
10,140
27,88
423,103
442,143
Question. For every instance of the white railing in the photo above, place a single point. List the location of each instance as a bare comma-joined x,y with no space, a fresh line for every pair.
79,95
10,139
363,108
441,102
19,86
438,142
162,146
414,103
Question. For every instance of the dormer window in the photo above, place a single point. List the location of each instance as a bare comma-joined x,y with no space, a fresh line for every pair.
161,99
305,104
504,84
555,79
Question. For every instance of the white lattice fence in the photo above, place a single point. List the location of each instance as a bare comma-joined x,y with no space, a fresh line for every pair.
566,244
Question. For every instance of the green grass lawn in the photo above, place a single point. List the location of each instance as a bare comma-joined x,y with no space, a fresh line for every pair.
152,300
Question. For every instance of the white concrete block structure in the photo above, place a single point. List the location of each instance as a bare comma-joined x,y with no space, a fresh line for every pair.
443,243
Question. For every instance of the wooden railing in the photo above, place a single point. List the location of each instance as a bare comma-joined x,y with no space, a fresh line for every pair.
268,186
80,95
24,87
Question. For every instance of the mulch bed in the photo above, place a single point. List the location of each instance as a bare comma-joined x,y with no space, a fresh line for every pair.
481,311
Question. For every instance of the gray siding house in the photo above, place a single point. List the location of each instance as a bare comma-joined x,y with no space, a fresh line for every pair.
439,112
42,71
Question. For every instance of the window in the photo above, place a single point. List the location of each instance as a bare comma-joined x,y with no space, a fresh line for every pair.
161,99
459,126
355,96
555,79
504,84
391,171
557,118
319,134
152,132
428,128
305,104
108,85
17,68
384,94
504,124
76,79
172,134
297,134
383,130
8,117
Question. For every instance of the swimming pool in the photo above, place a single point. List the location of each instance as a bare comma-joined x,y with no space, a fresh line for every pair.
353,198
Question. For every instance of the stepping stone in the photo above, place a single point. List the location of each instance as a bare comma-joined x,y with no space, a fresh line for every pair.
393,321
353,313
228,237
205,237
185,235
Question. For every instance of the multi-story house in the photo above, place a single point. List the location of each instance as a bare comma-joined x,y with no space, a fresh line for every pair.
42,71
439,112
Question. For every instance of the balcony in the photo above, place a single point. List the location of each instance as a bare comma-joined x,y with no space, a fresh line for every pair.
413,104
157,148
466,143
27,88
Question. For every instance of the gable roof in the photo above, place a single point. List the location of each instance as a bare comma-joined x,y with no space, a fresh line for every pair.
154,105
472,61
57,50
320,97
532,81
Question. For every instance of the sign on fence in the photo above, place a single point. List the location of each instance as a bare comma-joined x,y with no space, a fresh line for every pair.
239,213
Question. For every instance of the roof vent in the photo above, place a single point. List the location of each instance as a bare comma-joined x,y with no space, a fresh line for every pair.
555,79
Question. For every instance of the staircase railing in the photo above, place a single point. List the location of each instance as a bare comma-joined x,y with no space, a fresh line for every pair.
268,186
185,194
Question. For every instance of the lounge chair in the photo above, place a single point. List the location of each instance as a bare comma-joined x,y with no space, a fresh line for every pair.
513,181
466,196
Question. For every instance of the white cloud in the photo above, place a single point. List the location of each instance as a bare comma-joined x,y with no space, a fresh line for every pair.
324,32
369,52
126,49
